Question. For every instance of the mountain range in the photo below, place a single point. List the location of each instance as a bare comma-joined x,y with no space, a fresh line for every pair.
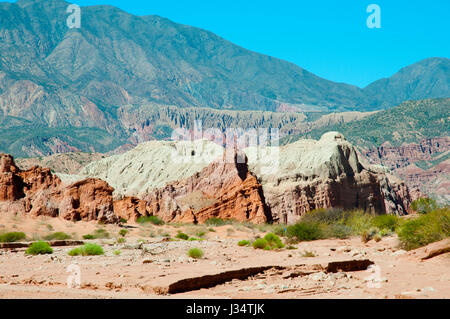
80,89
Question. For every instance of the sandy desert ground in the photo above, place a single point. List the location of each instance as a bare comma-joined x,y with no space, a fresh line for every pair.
149,264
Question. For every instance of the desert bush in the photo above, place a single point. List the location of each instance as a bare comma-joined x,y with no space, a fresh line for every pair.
12,237
195,253
155,220
87,250
273,241
425,229
39,248
121,240
123,220
388,222
214,221
424,205
88,236
307,253
182,236
338,231
201,233
369,234
305,231
100,233
244,243
123,232
358,221
117,252
260,243
324,216
58,236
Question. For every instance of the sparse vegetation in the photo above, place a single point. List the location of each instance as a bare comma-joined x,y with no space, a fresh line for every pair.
195,253
98,234
39,248
424,205
58,236
123,232
259,243
12,237
182,236
425,229
215,222
87,250
308,253
150,219
121,240
305,231
117,252
244,243
273,241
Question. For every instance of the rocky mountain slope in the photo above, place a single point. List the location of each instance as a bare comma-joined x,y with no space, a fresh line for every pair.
181,181
325,173
37,192
412,139
89,89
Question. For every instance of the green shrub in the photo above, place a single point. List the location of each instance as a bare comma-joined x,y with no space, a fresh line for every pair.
12,237
121,240
39,248
200,233
182,236
425,229
338,231
424,205
358,221
123,221
388,222
195,253
123,232
324,216
307,253
260,243
117,252
155,220
214,221
290,247
244,243
273,241
100,233
58,236
87,250
369,234
305,231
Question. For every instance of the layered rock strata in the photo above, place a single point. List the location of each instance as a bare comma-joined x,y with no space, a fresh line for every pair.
38,192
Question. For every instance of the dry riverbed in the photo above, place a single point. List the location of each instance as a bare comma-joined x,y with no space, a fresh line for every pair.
152,266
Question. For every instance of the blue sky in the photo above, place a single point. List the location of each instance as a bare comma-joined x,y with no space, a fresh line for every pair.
328,38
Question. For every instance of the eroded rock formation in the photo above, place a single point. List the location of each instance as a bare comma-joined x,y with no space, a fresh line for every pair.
224,189
38,192
310,174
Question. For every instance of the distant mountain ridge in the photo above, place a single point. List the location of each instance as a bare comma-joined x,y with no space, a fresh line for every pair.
55,80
